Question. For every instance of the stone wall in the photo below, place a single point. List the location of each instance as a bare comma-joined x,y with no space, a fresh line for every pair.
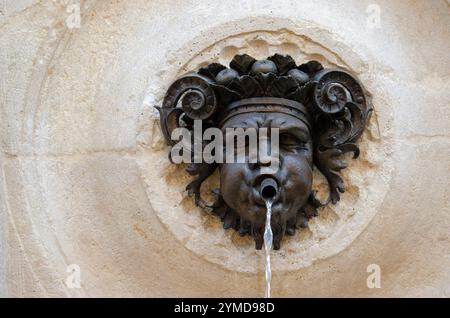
85,178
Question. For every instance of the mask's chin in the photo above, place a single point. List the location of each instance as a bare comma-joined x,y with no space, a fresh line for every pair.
253,214
256,211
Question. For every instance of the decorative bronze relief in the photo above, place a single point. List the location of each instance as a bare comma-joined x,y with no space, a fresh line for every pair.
320,113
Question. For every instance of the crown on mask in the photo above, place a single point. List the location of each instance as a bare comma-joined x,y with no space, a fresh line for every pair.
309,92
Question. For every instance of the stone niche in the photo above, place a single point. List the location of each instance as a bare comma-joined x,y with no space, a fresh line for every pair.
85,176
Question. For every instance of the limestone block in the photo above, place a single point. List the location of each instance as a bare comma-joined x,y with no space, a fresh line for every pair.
85,178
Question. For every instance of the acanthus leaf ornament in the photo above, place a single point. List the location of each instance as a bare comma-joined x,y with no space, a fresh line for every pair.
342,113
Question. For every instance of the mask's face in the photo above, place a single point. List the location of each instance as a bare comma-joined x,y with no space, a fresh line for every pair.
240,182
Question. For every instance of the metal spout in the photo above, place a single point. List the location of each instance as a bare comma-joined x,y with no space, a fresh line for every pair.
268,189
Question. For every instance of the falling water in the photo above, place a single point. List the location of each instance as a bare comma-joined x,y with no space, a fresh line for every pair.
268,238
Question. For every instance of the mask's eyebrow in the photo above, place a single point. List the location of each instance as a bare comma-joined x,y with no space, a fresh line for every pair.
302,133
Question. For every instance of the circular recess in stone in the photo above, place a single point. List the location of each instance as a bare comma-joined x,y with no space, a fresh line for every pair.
367,178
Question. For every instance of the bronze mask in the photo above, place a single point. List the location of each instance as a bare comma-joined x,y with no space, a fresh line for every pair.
319,114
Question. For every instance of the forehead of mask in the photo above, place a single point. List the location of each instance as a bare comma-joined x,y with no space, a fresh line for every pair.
285,123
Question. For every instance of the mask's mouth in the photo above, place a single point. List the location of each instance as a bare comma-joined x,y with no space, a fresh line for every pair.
268,189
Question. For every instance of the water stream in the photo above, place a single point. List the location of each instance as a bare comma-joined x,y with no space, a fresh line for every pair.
268,239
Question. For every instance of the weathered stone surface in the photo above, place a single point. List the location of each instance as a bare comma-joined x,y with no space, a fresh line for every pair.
85,178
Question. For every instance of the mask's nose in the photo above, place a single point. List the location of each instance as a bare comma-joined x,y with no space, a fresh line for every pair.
268,189
256,165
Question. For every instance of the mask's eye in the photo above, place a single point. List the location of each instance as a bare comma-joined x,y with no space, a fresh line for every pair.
289,141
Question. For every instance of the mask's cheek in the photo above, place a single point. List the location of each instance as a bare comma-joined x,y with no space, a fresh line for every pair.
234,185
298,177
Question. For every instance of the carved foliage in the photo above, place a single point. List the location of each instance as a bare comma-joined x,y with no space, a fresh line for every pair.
341,115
